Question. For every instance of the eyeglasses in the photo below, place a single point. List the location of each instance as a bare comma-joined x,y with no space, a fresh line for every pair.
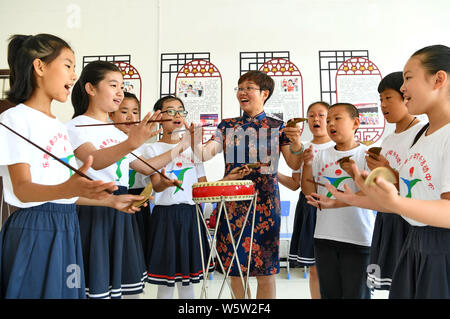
171,112
247,89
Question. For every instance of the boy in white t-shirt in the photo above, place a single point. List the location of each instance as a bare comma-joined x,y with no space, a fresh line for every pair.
342,237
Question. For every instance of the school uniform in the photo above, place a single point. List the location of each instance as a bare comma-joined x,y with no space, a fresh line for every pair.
390,229
343,235
173,244
112,249
423,268
40,244
301,250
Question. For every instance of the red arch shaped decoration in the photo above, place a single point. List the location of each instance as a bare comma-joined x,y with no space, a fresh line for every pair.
286,69
198,70
129,72
364,96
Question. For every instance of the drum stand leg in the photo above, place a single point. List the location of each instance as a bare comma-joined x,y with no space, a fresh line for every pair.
213,248
251,243
244,285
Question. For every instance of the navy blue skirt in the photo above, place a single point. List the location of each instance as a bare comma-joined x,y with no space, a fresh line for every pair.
301,251
112,251
142,218
41,254
423,268
389,235
173,253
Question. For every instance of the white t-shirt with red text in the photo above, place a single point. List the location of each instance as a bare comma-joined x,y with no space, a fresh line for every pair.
48,133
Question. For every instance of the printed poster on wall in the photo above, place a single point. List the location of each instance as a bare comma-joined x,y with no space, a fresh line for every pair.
199,85
357,82
286,101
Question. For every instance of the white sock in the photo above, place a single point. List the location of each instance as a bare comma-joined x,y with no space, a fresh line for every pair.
165,292
185,292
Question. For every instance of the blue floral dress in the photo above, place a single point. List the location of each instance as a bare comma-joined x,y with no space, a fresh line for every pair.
248,140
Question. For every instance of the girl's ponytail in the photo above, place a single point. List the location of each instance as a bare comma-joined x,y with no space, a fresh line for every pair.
80,99
21,79
22,51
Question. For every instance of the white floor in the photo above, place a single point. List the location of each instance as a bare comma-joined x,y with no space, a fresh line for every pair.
297,287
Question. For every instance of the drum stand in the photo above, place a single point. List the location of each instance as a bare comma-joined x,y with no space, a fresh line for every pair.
213,248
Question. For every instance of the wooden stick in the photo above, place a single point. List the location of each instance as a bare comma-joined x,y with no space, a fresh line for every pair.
255,165
53,156
121,123
320,184
155,170
186,129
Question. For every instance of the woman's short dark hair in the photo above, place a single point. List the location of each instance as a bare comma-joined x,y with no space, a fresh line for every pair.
160,103
22,51
264,81
392,81
93,73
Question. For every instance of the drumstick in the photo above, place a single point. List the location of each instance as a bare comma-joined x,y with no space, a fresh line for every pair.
155,170
53,156
323,185
186,129
320,208
121,123
255,165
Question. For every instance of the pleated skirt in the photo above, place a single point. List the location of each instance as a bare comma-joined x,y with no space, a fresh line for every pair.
173,246
112,251
41,254
423,268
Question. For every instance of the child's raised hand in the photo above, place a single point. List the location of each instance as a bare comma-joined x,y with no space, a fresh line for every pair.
347,166
321,201
374,161
145,129
308,156
347,196
83,187
196,139
383,192
165,183
186,138
124,202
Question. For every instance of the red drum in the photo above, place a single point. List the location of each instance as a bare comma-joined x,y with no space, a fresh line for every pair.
210,192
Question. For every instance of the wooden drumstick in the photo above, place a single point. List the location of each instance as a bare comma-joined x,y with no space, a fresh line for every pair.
164,176
255,165
53,156
186,129
121,123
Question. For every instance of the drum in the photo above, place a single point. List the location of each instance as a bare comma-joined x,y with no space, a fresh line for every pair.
210,192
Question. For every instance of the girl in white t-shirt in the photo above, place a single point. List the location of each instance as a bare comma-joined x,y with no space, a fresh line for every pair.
40,246
301,250
173,253
390,229
422,270
112,250
342,237
129,111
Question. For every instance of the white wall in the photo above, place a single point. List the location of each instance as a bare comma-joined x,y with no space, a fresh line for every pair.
390,30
